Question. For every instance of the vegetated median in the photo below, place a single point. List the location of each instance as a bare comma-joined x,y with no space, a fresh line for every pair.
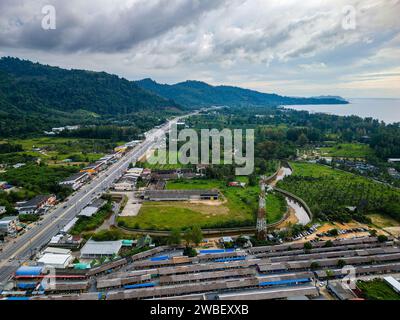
237,207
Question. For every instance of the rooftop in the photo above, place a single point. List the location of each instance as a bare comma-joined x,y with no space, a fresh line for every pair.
53,258
101,248
35,201
88,211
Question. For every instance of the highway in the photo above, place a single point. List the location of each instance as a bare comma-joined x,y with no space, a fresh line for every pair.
33,240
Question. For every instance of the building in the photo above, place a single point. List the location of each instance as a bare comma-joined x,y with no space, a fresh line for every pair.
2,209
393,283
135,171
108,158
394,173
340,292
127,183
145,241
29,271
93,249
76,181
18,165
120,149
53,260
95,167
56,250
226,240
8,225
392,160
37,205
92,208
180,195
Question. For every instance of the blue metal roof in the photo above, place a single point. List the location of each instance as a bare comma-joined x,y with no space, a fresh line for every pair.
29,285
283,282
140,285
213,251
18,298
29,271
159,258
230,259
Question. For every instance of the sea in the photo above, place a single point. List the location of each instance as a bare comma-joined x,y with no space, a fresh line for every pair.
383,109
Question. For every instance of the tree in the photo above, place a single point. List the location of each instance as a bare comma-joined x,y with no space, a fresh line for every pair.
382,238
175,237
341,263
187,236
190,252
328,244
197,235
302,140
329,275
373,232
314,265
307,246
252,180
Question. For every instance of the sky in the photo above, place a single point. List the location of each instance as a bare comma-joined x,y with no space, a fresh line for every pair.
298,48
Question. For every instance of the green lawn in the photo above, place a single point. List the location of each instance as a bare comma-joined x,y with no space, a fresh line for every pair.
82,150
238,207
303,169
377,289
348,150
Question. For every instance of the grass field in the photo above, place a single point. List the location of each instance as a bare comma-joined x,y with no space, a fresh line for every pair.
303,169
237,207
377,289
151,162
348,150
55,149
382,221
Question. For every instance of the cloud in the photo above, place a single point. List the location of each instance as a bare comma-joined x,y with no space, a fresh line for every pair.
299,45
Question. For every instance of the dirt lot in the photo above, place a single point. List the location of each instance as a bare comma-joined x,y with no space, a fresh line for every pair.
341,226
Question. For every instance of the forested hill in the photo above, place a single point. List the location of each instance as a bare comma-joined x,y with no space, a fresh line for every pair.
35,97
196,93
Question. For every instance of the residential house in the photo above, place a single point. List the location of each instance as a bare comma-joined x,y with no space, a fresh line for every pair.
8,225
37,205
76,181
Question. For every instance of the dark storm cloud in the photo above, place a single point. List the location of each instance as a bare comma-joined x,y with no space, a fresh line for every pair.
110,28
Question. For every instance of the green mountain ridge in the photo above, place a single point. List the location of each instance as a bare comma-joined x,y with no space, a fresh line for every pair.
35,97
200,94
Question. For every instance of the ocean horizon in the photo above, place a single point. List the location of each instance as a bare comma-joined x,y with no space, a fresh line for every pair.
383,109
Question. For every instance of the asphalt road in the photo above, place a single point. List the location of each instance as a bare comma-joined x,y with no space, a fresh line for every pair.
33,240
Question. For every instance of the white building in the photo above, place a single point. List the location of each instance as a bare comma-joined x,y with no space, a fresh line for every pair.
53,250
135,171
93,249
393,283
8,225
125,184
88,212
59,261
2,209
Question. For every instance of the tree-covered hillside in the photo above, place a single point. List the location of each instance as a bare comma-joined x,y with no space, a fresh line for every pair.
196,93
35,97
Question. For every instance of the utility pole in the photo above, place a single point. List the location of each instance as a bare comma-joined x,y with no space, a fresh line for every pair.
261,215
